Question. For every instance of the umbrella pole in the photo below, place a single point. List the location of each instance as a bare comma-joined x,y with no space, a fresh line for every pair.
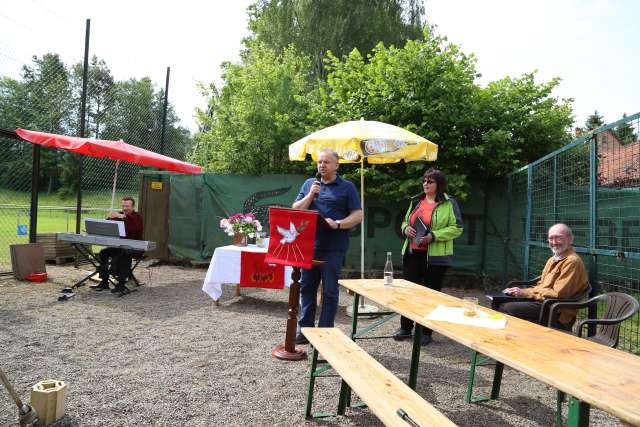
113,191
369,310
362,227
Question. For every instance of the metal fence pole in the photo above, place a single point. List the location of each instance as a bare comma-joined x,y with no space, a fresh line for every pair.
485,216
35,175
593,225
555,189
507,239
83,108
164,112
527,237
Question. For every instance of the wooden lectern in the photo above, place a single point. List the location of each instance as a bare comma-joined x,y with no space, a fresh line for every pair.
288,349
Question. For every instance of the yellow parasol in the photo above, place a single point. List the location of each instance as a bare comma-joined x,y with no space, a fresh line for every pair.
356,140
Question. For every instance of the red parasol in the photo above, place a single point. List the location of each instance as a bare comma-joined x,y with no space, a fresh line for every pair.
114,150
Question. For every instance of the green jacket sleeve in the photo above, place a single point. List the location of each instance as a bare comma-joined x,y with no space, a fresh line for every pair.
454,228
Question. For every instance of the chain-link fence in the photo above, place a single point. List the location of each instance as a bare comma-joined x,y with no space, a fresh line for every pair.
592,185
45,93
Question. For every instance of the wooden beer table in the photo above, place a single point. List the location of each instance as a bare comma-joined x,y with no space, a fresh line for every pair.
593,374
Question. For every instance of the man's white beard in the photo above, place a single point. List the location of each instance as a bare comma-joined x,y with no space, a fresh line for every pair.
559,253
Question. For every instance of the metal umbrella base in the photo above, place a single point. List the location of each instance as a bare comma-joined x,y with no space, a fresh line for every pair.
364,310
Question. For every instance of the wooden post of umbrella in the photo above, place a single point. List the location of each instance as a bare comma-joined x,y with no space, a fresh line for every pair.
288,349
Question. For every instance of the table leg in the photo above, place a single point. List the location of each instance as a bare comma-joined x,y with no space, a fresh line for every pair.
288,350
415,356
238,290
578,413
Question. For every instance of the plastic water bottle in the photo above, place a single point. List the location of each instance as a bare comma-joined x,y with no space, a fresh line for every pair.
388,271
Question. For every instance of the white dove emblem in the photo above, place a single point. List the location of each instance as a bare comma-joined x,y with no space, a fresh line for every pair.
288,236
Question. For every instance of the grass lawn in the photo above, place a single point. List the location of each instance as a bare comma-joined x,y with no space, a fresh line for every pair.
55,215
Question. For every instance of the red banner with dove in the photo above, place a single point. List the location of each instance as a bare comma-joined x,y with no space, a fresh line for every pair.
291,236
255,273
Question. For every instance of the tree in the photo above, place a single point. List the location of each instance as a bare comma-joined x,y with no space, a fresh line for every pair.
625,132
100,84
47,109
428,87
317,26
594,121
258,112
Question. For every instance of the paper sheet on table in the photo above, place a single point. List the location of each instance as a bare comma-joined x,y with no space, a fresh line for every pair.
456,315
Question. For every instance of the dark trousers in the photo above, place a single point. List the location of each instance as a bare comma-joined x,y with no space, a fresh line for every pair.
329,272
527,310
530,310
415,269
116,261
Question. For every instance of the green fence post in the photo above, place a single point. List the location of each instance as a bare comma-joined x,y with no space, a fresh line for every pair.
555,189
593,226
507,237
527,227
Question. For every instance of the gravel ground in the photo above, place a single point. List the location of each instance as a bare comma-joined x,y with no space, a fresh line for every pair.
166,356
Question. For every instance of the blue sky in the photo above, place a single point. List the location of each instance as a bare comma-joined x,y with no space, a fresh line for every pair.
592,45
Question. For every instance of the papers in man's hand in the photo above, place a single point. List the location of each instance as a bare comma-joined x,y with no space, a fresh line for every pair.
456,315
421,230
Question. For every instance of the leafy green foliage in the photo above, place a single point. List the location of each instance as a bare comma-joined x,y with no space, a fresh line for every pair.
428,86
625,133
594,121
47,98
317,26
252,120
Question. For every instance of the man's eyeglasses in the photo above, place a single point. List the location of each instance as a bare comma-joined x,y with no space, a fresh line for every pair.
429,181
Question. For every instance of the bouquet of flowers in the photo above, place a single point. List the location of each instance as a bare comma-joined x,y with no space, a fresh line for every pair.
241,223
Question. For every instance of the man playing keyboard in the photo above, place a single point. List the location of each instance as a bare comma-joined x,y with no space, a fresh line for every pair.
120,259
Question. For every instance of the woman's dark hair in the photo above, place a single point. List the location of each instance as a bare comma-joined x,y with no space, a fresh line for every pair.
440,180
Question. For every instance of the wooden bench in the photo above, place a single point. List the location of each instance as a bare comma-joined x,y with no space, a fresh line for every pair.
384,394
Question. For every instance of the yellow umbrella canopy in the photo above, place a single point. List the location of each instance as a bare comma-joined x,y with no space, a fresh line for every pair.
356,140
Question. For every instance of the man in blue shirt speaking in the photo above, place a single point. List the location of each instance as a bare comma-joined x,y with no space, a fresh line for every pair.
338,202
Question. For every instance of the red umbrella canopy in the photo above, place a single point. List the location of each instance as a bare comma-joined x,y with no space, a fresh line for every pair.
113,150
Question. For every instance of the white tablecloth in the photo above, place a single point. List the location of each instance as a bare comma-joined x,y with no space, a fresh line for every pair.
225,268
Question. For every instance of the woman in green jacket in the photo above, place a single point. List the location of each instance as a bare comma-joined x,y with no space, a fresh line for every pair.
432,222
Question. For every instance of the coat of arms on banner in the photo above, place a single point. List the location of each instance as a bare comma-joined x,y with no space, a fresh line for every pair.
291,236
255,273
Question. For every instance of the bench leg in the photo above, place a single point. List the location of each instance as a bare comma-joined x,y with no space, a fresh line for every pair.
345,390
578,413
415,357
312,381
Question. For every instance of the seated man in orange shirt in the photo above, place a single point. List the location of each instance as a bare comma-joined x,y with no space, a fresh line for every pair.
564,276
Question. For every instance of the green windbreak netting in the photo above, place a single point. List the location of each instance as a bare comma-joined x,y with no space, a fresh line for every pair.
198,202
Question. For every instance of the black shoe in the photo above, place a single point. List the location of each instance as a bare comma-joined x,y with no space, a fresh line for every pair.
401,334
301,339
425,340
120,289
100,287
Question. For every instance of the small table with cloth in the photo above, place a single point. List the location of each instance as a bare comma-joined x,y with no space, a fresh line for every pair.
225,267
